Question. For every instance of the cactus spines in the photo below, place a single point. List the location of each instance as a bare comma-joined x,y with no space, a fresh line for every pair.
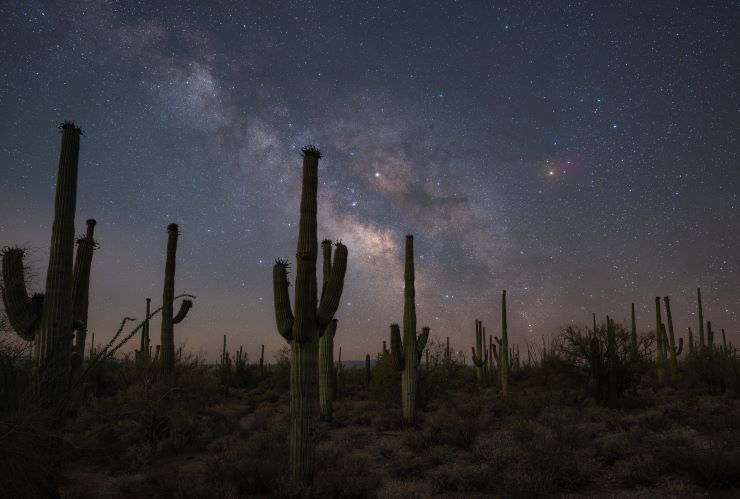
480,356
167,340
302,329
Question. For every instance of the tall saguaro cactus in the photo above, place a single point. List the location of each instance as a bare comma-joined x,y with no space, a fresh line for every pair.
502,355
480,355
673,350
660,348
143,354
302,329
49,320
634,352
407,355
701,320
167,340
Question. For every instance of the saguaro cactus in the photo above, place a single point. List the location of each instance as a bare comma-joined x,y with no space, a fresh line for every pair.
673,350
167,340
634,353
80,291
480,356
502,355
407,355
660,349
701,320
302,330
50,319
326,371
144,353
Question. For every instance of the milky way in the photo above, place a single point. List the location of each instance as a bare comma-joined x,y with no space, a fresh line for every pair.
580,156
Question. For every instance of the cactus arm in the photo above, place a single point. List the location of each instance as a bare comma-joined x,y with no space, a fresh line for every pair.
397,347
283,312
185,306
680,347
334,286
421,342
23,316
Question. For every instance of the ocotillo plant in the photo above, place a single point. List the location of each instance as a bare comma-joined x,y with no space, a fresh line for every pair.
502,355
50,319
326,371
407,355
302,330
144,353
480,357
167,340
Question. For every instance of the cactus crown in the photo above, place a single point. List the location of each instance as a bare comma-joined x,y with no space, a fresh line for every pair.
311,150
70,125
173,228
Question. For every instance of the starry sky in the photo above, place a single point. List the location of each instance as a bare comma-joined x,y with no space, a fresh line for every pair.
580,155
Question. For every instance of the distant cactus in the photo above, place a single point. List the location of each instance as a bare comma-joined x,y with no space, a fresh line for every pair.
701,319
502,354
692,348
262,362
50,319
368,370
480,356
634,352
143,354
660,358
407,355
302,330
167,340
673,350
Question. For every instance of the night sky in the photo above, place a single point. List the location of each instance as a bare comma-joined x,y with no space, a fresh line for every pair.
580,155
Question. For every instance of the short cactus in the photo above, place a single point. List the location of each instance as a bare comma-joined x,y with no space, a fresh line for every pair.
143,354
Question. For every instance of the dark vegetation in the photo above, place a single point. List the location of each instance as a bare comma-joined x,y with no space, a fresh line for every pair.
597,411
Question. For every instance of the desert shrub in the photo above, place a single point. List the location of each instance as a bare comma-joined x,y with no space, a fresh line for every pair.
459,477
343,474
385,383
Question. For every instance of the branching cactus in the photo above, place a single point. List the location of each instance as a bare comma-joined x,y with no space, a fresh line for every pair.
660,348
502,353
302,329
407,355
480,356
673,350
80,291
167,340
49,320
326,344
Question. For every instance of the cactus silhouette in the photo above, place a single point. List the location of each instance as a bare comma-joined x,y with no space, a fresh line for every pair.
302,330
480,356
326,345
701,319
143,355
167,340
634,352
502,354
660,348
50,319
670,346
407,355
